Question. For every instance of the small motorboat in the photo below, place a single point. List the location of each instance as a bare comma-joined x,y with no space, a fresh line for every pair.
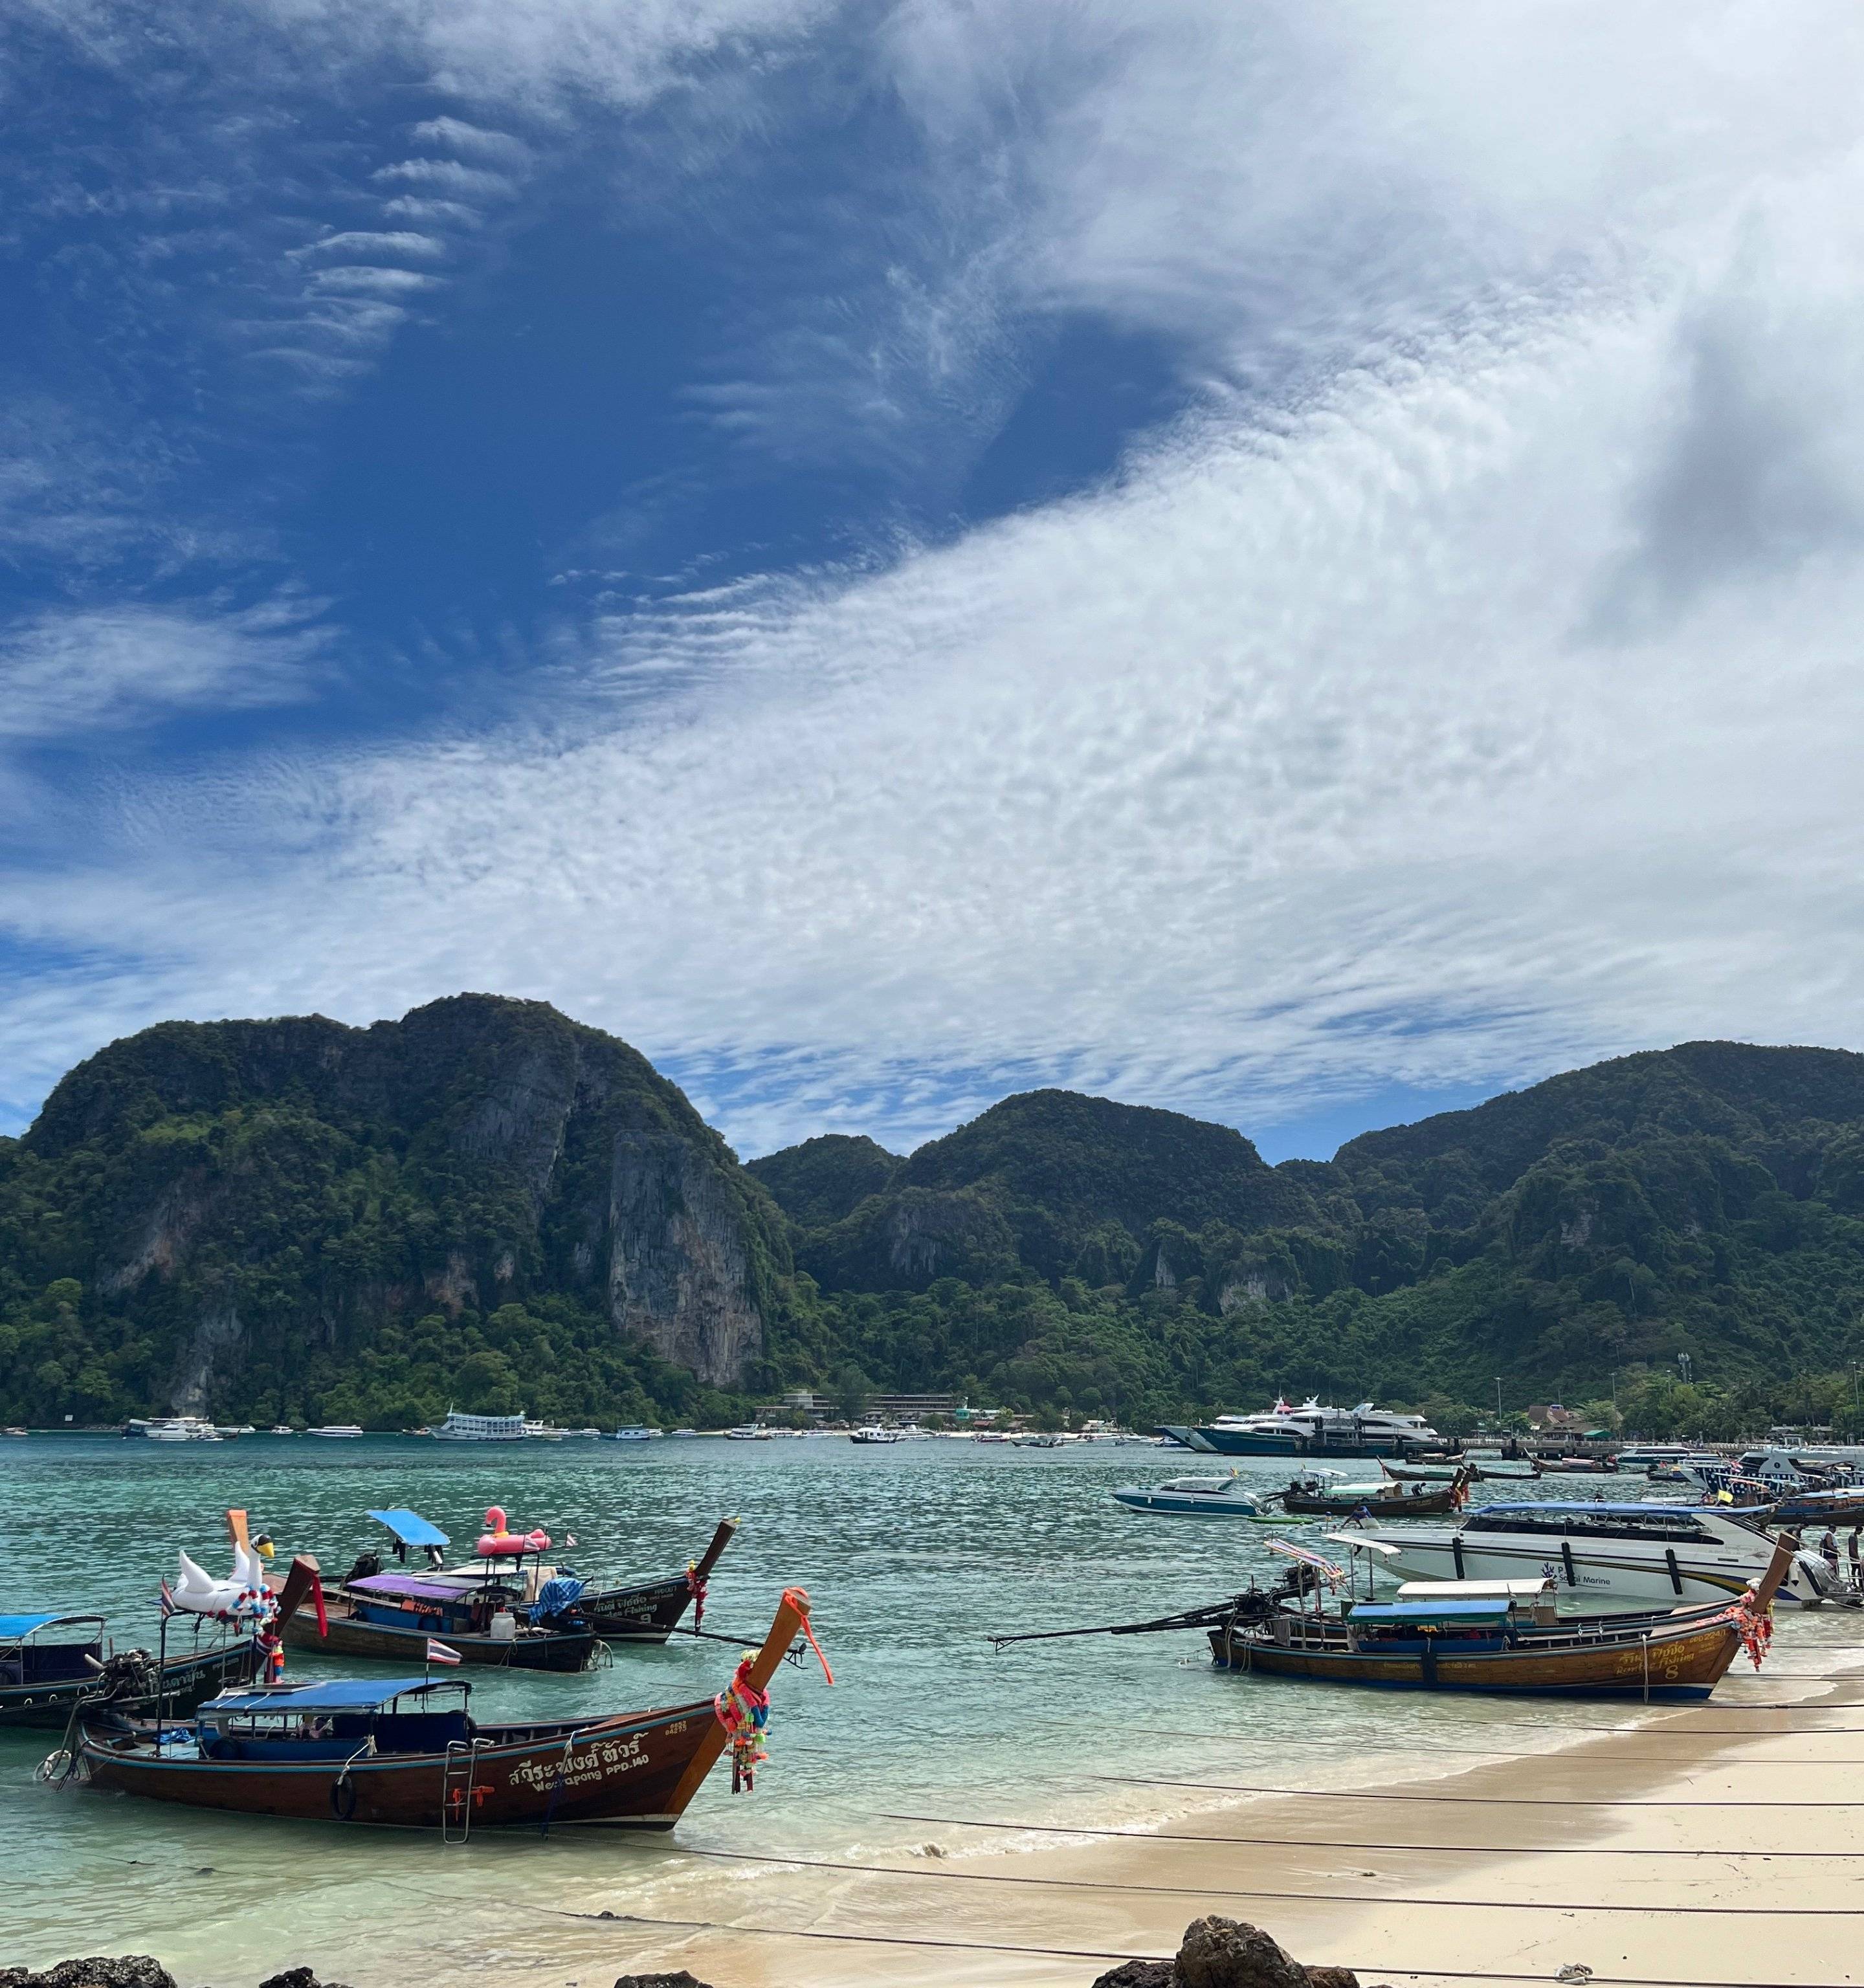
407,1751
876,1433
1228,1497
746,1432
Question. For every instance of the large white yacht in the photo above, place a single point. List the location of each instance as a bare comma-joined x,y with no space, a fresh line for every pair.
1313,1430
1640,1555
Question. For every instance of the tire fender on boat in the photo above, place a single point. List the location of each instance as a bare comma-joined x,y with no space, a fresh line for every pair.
342,1798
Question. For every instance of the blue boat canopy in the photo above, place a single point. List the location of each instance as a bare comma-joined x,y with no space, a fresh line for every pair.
1413,1614
331,1695
14,1626
411,1529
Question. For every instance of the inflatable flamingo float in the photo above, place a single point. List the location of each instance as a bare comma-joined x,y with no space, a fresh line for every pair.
499,1542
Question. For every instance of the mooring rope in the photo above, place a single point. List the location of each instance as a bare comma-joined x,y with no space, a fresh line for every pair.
1140,1833
1491,1801
1792,1911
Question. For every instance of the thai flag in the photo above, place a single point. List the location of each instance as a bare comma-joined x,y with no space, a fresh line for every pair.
438,1653
169,1604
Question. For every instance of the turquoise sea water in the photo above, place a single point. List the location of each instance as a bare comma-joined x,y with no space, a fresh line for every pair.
911,1555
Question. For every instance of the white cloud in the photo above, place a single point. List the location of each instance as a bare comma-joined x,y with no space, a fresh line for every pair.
1468,689
362,241
357,279
70,672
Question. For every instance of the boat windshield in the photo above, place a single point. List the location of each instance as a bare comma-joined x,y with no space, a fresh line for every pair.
1209,1486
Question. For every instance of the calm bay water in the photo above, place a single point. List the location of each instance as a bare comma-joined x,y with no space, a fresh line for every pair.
911,1555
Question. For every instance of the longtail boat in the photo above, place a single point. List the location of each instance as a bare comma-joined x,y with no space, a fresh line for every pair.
1323,1493
51,1662
1469,1636
406,1751
646,1610
393,1617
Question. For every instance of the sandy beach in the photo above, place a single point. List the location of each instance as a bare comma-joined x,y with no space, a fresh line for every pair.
1647,1854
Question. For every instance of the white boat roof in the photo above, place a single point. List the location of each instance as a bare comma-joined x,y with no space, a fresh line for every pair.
1472,1590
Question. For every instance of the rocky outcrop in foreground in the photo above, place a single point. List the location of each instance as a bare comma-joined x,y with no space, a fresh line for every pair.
1224,1953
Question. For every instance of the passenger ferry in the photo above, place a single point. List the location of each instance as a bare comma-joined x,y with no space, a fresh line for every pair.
458,1428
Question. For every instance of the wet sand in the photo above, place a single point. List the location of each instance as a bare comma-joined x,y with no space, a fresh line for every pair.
1507,1874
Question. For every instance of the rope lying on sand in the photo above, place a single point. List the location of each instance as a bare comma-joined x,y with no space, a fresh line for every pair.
1144,1835
1793,1910
1488,1801
1361,1967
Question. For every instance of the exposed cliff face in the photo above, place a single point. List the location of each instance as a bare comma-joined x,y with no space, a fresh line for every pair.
250,1191
679,1268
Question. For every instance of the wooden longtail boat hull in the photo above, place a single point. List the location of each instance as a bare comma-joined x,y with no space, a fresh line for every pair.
350,1636
648,1611
640,1769
619,1770
1426,1504
188,1682
1686,1662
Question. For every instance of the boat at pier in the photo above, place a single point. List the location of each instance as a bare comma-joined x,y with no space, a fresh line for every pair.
407,1751
459,1428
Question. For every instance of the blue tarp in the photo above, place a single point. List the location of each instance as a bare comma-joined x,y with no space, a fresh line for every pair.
556,1597
411,1529
333,1695
13,1626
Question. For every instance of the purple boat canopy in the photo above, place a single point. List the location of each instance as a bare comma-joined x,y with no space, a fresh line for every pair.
404,1587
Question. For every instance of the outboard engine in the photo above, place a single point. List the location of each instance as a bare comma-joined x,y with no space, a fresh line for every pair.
1810,1582
368,1565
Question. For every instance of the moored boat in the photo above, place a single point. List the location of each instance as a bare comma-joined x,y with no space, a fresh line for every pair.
1630,1556
407,1751
1513,1642
1228,1497
50,1662
1326,1494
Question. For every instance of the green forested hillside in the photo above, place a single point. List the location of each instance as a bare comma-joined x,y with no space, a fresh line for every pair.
486,1205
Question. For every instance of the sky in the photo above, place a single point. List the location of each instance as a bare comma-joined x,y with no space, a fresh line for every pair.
1303,565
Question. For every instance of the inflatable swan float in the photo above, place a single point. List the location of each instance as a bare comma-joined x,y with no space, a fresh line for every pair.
245,1593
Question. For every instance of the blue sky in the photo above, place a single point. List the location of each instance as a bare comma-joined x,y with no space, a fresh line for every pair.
1297,567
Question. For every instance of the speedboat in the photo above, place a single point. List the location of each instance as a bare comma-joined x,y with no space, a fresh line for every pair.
873,1432
338,1432
1206,1497
634,1433
746,1432
1640,1556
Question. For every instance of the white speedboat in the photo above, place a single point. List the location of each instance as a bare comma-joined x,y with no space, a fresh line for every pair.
1203,1497
873,1432
338,1432
458,1428
282,1428
635,1432
748,1432
1640,1556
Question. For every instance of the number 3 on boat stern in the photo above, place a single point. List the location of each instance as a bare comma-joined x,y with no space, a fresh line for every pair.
407,1751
